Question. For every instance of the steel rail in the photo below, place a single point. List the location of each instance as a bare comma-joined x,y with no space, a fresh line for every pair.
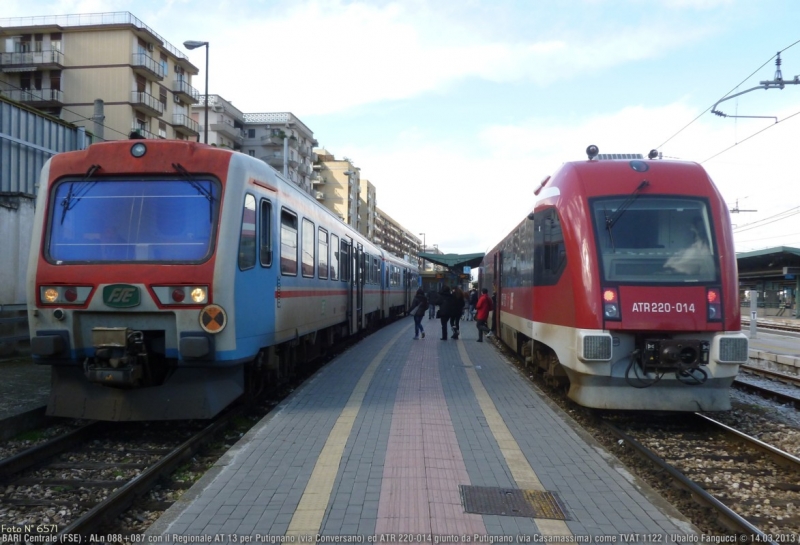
31,457
729,518
122,497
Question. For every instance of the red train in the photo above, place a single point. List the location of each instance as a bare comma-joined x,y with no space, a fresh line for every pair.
623,283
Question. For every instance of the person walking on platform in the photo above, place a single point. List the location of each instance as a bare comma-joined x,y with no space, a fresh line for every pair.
482,309
418,307
458,310
446,309
433,300
473,300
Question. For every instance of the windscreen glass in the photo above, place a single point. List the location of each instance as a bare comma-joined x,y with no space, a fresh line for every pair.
655,239
124,220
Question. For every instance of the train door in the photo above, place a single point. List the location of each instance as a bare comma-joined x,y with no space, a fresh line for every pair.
359,272
347,276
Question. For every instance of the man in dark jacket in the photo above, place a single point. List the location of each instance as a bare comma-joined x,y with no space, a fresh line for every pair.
433,300
446,310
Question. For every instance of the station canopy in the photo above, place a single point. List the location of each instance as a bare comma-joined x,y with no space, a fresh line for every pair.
453,261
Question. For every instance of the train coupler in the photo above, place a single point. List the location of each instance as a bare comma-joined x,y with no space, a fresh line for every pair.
120,355
668,354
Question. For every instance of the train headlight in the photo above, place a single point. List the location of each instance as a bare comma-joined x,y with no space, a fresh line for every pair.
181,295
199,295
50,295
138,149
611,304
64,295
713,305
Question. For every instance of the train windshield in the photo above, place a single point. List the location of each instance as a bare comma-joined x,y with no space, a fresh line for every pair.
126,220
655,239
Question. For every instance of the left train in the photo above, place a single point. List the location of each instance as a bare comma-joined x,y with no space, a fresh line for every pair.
168,278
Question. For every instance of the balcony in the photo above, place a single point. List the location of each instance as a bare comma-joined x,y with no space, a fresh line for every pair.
40,98
45,60
316,179
146,103
184,124
188,93
272,140
319,195
275,160
147,66
141,131
237,135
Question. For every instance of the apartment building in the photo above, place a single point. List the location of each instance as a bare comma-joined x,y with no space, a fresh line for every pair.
226,124
284,142
62,64
367,208
395,238
337,186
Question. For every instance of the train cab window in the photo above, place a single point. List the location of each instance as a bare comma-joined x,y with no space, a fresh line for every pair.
322,250
308,250
344,261
288,243
334,257
247,239
655,239
265,233
149,220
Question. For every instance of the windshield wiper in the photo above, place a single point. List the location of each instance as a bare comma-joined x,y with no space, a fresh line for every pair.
200,189
610,221
75,194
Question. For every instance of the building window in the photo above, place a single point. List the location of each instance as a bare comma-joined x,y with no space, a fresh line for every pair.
251,133
55,41
162,95
251,152
162,129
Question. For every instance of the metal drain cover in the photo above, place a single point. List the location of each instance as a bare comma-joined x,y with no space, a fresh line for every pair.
511,502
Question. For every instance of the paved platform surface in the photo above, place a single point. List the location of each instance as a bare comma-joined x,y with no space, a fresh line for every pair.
387,443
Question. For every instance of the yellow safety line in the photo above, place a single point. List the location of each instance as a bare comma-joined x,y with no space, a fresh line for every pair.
307,519
521,470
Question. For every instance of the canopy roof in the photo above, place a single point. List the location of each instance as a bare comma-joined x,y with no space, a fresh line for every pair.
453,260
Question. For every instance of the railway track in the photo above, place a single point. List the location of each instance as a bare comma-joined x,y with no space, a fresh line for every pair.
751,487
780,387
74,484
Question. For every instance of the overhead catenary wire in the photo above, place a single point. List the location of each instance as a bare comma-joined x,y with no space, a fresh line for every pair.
726,94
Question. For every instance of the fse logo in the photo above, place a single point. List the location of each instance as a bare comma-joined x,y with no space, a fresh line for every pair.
121,296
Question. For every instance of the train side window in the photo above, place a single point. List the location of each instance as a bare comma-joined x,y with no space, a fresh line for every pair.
549,250
265,233
322,244
288,243
334,257
308,250
344,261
366,263
247,239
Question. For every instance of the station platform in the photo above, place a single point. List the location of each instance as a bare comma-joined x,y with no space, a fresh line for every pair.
417,440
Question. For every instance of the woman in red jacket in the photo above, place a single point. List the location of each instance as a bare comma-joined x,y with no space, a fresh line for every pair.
482,309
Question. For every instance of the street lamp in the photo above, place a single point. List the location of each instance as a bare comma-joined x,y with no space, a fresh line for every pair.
424,249
192,44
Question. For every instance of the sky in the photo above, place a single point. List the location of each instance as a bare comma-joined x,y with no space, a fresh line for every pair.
456,109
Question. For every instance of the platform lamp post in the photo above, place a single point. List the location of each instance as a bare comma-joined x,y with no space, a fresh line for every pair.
424,249
192,44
